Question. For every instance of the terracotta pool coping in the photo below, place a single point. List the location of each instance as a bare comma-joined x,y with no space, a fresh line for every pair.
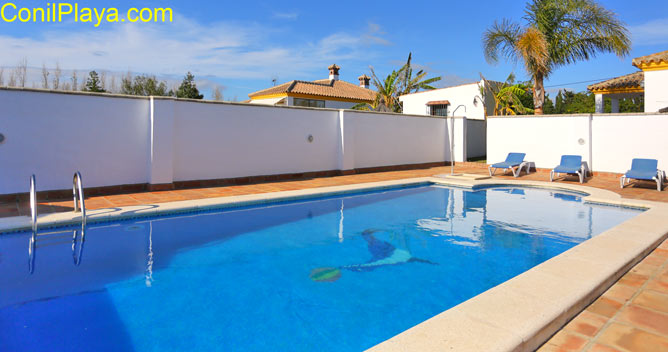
517,315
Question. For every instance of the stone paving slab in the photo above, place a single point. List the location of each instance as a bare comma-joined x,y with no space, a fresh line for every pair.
638,190
630,316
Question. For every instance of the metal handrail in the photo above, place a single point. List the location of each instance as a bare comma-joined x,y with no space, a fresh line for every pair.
77,191
33,203
76,254
33,218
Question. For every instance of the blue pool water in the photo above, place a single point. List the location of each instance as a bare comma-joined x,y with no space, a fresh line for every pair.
331,274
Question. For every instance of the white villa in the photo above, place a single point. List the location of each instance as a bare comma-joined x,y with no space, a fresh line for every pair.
651,82
323,93
444,101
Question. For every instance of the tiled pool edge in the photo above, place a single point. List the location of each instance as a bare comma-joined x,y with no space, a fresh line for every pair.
523,312
22,223
537,303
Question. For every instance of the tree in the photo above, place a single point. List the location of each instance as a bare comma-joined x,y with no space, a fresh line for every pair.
75,80
93,83
217,94
387,98
409,84
112,84
394,85
143,85
569,102
509,97
2,79
188,88
45,77
556,33
12,79
56,77
20,73
548,106
103,80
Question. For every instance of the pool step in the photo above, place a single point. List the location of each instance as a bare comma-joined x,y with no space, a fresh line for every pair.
467,177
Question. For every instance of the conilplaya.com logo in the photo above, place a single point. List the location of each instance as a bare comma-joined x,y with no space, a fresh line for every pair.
56,12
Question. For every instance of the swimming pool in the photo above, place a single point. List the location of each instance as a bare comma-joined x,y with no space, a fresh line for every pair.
335,273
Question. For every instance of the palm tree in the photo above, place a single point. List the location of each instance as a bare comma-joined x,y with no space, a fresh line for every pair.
507,96
394,85
409,84
386,93
557,32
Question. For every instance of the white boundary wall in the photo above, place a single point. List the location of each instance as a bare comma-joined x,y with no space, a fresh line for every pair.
607,142
224,141
380,140
116,140
621,137
53,135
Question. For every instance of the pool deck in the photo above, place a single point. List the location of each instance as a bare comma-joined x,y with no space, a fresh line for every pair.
632,315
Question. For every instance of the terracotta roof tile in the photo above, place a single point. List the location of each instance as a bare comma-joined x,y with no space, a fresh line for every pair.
633,80
439,102
323,88
649,59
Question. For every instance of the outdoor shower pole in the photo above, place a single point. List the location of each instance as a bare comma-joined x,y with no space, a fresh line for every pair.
452,139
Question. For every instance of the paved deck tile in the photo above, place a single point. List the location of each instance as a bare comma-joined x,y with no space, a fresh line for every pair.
630,316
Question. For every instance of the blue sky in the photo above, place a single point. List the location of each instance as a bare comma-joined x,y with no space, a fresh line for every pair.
242,45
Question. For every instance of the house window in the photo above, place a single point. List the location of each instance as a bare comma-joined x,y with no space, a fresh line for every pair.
312,103
438,110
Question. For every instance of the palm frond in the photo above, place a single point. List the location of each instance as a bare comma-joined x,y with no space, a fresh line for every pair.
532,47
501,40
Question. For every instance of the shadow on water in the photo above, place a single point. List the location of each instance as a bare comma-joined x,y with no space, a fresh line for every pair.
84,322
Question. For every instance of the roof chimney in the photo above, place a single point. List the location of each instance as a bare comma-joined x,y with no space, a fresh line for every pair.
364,81
334,72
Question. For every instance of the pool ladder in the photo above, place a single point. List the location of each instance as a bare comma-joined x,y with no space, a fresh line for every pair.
79,206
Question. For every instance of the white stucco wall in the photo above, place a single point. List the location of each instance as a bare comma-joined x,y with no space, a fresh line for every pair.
392,139
610,141
656,90
619,138
416,103
52,135
222,141
544,139
116,140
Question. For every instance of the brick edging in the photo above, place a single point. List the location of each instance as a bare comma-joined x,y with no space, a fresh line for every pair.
144,187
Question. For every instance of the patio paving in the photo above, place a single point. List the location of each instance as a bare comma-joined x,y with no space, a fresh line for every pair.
630,316
645,190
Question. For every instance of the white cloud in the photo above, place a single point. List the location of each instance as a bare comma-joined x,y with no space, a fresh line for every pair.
224,50
375,34
654,32
286,15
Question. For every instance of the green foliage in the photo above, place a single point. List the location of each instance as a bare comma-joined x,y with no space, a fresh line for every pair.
569,102
93,83
548,106
411,84
394,85
144,85
556,33
188,88
510,98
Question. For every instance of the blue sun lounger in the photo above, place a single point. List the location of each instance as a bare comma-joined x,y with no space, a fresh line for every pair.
570,164
644,169
512,160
